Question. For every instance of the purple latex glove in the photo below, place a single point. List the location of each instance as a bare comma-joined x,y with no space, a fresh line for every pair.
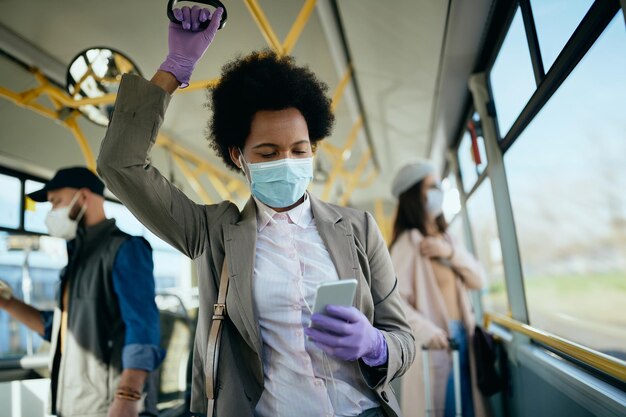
344,332
186,43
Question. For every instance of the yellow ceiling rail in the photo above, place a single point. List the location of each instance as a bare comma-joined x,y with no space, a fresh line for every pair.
369,180
236,186
166,142
298,26
353,178
224,184
27,100
61,99
605,363
330,148
199,85
70,102
18,99
286,47
80,137
383,221
339,158
219,186
341,88
67,101
264,25
192,180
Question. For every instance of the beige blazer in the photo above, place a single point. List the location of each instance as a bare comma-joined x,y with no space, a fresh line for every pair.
426,312
207,233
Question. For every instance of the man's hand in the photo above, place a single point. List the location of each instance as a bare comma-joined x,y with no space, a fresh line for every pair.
6,293
123,408
434,247
131,380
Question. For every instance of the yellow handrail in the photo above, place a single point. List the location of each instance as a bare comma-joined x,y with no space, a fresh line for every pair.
605,363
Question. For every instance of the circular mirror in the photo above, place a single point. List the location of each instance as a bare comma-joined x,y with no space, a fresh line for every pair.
96,72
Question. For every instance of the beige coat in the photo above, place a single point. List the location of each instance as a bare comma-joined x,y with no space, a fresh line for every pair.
426,312
209,233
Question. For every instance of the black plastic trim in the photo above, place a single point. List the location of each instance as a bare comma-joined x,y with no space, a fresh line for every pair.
533,40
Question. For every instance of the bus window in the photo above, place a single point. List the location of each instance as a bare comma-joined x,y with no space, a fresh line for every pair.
35,213
555,21
38,287
451,198
512,78
482,216
38,283
471,154
10,202
456,229
171,268
567,178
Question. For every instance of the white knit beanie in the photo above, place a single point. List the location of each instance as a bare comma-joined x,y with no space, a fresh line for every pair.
410,174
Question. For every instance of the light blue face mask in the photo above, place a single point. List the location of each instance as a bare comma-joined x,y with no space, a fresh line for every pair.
434,202
280,183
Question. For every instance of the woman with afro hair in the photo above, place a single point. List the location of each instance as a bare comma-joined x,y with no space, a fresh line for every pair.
276,357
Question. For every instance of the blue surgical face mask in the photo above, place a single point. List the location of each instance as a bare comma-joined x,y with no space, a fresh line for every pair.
434,202
279,183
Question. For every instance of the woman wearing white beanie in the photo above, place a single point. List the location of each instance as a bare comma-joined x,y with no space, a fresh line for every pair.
434,273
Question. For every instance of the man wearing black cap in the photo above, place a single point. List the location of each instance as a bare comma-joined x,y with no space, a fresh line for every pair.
104,332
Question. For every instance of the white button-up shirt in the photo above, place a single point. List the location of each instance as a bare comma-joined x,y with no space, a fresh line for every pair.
300,379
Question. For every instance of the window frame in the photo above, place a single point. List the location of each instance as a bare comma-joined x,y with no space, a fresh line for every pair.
454,149
582,39
589,29
22,177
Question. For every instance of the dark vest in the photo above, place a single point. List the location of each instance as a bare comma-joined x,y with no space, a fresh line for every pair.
85,377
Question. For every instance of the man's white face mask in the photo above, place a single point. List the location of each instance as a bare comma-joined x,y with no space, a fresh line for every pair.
60,224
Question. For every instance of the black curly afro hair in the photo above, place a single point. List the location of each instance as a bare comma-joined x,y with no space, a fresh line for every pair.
264,80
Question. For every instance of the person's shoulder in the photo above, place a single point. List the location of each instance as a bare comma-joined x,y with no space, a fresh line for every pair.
409,237
223,212
351,214
135,243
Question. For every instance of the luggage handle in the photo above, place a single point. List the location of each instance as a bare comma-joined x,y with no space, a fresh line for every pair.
452,345
456,369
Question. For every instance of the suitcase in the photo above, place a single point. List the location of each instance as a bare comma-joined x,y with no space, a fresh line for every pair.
456,372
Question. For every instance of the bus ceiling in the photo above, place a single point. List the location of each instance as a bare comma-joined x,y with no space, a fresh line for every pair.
398,75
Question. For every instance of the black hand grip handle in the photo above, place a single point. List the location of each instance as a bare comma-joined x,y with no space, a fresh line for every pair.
203,25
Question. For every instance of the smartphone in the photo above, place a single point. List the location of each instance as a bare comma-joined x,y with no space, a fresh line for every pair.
339,293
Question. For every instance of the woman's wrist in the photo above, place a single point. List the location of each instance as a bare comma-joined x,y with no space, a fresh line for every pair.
166,80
